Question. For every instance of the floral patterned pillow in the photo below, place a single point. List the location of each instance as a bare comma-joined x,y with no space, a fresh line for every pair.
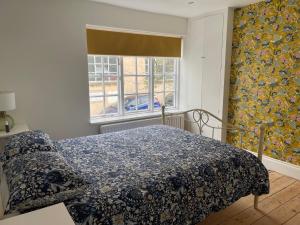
40,179
27,142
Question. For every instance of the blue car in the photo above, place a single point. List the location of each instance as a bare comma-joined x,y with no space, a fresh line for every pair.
130,104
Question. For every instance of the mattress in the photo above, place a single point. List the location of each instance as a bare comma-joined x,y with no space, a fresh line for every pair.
158,175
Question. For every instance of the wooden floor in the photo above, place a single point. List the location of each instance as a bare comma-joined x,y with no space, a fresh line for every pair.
281,206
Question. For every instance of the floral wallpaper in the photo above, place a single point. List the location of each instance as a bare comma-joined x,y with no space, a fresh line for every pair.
265,77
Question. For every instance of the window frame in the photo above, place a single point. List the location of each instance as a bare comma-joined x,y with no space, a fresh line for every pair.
137,94
121,83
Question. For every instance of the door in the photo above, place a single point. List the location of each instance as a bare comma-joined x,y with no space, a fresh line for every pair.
211,82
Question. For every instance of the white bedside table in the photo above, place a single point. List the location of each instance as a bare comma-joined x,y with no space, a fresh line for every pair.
52,215
18,128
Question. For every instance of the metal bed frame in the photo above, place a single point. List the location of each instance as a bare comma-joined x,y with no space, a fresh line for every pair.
202,118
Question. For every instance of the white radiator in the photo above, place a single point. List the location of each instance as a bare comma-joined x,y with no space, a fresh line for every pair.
174,121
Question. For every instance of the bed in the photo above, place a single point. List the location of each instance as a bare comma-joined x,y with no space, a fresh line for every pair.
155,175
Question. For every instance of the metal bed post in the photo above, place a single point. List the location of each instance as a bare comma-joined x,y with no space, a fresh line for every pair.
259,155
201,123
163,118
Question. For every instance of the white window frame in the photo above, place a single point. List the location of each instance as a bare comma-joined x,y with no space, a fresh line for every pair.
120,83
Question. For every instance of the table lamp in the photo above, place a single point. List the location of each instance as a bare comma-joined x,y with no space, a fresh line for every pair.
7,103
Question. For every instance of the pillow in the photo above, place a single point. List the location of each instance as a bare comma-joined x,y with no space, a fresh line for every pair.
40,179
26,142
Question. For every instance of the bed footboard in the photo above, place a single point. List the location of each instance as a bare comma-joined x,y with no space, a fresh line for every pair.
201,118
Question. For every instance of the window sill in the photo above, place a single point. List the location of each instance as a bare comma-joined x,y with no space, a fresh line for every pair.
127,118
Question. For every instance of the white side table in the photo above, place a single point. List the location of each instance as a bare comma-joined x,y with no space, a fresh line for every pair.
52,215
18,128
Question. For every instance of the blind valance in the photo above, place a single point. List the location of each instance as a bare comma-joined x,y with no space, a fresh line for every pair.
101,42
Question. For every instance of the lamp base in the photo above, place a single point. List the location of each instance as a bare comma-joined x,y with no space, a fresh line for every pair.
3,118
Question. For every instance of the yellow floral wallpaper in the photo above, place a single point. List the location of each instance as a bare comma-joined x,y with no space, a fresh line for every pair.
265,76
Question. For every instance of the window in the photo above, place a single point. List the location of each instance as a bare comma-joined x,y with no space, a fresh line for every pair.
121,85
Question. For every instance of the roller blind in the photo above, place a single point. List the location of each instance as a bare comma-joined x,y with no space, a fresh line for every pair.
101,42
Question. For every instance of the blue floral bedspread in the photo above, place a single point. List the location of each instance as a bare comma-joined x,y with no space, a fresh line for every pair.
158,175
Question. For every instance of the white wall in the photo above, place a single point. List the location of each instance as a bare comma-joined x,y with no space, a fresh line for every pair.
43,57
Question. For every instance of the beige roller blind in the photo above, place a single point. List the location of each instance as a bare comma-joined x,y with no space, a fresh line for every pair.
100,42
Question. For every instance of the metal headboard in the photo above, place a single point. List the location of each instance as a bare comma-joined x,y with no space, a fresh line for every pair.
201,118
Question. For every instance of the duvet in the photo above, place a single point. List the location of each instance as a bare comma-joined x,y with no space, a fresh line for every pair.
158,175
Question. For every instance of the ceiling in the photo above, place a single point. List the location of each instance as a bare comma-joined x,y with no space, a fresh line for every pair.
184,8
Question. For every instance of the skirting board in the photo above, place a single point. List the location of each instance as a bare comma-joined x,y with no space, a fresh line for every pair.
284,168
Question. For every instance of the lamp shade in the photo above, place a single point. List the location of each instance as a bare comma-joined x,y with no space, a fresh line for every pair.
7,101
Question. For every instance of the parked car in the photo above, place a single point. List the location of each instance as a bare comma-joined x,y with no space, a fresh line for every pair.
130,104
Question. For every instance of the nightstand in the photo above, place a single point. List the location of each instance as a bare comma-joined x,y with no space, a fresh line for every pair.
52,215
18,128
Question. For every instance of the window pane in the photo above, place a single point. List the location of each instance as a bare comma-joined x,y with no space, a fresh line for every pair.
142,66
158,83
111,104
143,102
129,84
158,100
96,89
99,78
98,68
112,60
91,77
129,65
95,77
106,69
98,59
105,59
91,68
170,99
113,69
143,84
90,59
130,103
110,78
158,66
169,83
170,66
111,85
96,106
